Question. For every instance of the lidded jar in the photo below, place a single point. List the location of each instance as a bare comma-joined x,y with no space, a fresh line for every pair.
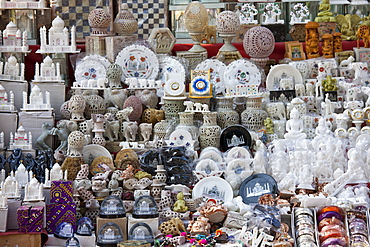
99,20
209,132
125,22
226,115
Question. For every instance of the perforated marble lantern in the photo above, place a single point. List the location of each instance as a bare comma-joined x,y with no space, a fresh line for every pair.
227,24
196,21
125,22
99,21
259,43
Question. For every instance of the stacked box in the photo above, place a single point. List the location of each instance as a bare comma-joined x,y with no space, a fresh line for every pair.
61,192
57,213
30,219
23,213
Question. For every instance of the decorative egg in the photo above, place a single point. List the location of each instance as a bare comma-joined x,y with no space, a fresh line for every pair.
259,42
195,17
135,103
227,22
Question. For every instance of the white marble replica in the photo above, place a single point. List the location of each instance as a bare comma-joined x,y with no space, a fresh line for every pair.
294,126
2,144
47,71
247,14
195,107
174,87
58,38
20,139
135,83
3,200
55,174
6,103
36,100
207,168
12,70
10,188
100,83
271,14
33,191
13,40
299,13
260,158
21,175
146,130
41,5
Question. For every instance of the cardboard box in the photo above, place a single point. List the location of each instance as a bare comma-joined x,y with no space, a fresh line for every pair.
57,213
57,94
13,206
121,222
3,219
11,238
30,219
85,241
140,243
61,192
39,203
153,223
8,123
23,213
32,122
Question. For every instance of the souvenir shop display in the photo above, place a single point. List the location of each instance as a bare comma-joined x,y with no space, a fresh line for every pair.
144,148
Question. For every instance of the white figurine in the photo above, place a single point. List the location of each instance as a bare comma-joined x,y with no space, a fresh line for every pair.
288,183
271,12
299,13
21,175
248,13
33,191
146,131
129,131
305,178
294,126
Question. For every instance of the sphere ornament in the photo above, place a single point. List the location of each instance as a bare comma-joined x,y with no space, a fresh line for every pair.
125,22
227,24
259,43
99,21
196,21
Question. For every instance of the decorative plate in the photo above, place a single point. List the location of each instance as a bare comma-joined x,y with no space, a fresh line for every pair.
282,71
239,153
241,72
257,185
90,152
234,136
211,154
91,67
168,64
213,188
180,137
217,70
138,61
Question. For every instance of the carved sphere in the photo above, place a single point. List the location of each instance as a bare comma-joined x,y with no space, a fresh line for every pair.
135,103
125,22
76,139
227,22
259,42
195,17
99,20
114,71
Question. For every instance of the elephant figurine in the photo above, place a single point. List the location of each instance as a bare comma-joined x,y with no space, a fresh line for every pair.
146,131
129,130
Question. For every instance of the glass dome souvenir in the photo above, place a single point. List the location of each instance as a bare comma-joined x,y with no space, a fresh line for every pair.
109,234
64,230
72,242
141,231
84,227
145,207
112,207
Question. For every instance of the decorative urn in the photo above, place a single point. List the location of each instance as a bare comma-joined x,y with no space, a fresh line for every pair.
125,22
99,20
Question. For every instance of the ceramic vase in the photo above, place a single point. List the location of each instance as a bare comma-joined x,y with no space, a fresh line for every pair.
187,123
253,116
226,115
209,132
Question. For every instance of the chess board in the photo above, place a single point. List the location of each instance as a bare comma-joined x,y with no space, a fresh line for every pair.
149,14
76,12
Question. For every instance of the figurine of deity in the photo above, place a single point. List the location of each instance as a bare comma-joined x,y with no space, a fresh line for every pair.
269,125
294,126
329,84
180,205
337,40
347,26
327,45
312,40
325,15
14,159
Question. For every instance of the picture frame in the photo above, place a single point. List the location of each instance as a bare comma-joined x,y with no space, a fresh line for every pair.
295,51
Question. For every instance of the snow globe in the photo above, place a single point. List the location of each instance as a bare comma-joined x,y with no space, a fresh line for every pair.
84,227
64,230
145,207
72,242
109,235
141,231
112,207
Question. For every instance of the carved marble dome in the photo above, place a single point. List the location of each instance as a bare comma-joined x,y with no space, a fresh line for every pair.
48,61
125,22
11,27
57,24
99,20
12,60
195,17
227,22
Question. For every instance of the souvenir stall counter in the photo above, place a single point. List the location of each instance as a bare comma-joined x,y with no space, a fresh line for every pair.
131,142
